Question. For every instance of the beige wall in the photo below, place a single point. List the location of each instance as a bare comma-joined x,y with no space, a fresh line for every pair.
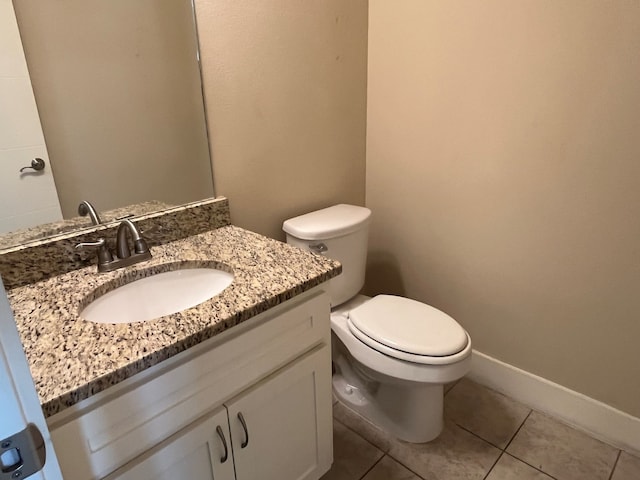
503,169
285,89
119,95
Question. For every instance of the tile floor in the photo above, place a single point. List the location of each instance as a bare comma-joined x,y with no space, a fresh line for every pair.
487,436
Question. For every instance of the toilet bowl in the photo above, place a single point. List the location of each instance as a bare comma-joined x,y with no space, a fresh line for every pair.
399,391
391,355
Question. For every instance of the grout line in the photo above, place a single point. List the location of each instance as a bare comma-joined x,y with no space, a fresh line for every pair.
504,450
372,466
478,436
532,466
519,459
518,430
446,392
359,434
615,464
412,471
493,466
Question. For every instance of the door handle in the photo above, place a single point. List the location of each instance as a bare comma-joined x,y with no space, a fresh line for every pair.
37,164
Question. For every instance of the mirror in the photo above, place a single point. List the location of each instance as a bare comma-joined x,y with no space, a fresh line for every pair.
118,91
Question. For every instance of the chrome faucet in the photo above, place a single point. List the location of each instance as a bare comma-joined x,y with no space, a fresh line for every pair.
85,208
124,257
140,246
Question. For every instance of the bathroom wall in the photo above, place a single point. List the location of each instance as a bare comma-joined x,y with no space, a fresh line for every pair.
285,89
503,169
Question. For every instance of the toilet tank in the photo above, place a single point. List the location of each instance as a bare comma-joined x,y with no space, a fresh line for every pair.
340,232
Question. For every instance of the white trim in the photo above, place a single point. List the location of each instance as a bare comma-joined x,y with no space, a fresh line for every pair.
598,419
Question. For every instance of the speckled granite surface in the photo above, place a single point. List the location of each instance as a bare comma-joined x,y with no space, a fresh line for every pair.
44,259
46,230
71,358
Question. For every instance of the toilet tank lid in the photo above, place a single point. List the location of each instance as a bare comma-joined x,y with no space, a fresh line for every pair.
327,223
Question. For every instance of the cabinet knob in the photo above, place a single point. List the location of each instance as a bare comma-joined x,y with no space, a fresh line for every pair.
224,444
246,432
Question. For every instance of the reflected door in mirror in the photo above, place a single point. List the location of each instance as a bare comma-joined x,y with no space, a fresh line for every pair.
27,198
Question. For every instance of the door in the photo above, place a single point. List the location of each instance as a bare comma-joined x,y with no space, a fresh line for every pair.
201,451
20,407
281,428
27,198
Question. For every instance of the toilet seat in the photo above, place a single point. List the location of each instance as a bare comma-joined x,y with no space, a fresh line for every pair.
408,330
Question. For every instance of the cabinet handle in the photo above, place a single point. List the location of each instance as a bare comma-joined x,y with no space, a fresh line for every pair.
224,444
246,432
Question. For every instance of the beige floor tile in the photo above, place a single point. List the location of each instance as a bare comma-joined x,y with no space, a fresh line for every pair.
389,469
353,456
487,413
455,454
561,451
362,426
628,468
509,468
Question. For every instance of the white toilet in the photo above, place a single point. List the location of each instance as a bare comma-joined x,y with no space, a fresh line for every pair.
391,355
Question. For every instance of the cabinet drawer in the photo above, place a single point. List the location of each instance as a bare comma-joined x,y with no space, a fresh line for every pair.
110,434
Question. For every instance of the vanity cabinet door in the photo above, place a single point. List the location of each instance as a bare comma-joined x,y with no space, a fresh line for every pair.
281,428
196,452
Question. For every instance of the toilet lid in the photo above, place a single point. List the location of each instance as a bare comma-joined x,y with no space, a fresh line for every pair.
409,326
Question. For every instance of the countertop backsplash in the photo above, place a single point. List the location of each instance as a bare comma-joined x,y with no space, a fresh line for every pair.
36,261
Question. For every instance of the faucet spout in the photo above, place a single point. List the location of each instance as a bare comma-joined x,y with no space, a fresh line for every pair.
140,246
124,257
85,208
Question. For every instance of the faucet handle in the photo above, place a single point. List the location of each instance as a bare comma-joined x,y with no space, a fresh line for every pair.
98,243
104,255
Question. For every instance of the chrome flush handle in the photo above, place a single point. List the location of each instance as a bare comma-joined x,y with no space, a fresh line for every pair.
319,248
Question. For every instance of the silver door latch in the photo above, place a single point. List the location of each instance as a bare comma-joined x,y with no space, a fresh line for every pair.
22,454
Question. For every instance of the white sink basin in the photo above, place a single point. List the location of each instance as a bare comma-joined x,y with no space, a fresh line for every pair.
156,296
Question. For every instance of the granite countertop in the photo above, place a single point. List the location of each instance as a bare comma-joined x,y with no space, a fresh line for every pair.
71,358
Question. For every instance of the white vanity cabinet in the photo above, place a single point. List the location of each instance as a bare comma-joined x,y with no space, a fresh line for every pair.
275,434
273,372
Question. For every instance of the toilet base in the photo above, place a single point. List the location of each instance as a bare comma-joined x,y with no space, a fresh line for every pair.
411,411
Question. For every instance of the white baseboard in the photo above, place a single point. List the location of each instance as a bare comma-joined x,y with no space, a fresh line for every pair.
598,419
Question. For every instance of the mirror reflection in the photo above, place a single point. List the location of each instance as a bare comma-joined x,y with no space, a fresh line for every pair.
119,97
